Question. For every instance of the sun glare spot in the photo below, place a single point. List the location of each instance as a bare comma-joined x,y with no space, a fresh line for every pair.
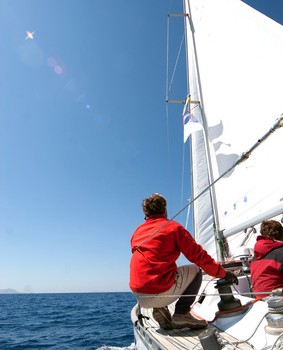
58,70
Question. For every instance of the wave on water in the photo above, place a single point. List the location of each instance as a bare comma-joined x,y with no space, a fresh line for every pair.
79,321
130,347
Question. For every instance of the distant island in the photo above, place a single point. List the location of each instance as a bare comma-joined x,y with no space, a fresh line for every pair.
9,291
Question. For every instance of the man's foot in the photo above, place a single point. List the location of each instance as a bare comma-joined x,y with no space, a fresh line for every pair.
188,320
163,317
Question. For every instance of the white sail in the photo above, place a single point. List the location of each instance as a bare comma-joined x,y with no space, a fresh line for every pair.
241,95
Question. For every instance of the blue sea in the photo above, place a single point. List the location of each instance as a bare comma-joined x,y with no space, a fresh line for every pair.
66,321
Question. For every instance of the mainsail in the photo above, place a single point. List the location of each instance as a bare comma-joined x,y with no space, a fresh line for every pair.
235,57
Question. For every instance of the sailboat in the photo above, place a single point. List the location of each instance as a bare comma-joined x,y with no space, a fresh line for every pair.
233,123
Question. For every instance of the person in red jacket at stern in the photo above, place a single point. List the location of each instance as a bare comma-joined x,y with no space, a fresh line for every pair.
267,265
155,279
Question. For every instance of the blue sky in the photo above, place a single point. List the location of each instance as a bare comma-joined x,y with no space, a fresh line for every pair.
84,136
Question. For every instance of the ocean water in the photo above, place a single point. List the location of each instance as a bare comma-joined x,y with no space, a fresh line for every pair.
66,321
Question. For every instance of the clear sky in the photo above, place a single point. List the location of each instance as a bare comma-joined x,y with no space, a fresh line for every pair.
84,136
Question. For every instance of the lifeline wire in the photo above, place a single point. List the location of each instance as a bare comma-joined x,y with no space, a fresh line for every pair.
199,294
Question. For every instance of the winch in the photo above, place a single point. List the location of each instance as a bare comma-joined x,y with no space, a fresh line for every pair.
275,315
228,306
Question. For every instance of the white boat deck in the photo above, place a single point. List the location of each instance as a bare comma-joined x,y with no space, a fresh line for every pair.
155,338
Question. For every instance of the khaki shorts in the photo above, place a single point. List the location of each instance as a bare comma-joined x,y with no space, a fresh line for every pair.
184,276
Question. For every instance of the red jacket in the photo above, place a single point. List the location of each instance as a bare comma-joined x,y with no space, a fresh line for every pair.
267,266
155,250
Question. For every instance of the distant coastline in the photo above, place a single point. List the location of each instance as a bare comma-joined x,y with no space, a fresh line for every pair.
9,291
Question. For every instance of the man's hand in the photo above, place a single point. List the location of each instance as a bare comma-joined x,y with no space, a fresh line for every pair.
231,277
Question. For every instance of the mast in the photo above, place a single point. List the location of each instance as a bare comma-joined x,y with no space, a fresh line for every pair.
189,27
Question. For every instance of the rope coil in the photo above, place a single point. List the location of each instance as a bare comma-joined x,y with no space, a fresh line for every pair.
276,310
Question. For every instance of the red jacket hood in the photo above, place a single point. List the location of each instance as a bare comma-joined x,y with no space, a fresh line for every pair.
264,245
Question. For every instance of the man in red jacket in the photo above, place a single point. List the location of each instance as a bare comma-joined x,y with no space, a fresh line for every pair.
155,279
267,266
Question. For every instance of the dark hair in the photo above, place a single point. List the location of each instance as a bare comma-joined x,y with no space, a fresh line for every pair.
155,204
272,229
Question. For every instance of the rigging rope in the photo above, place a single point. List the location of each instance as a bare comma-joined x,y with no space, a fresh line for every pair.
176,63
167,59
245,155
